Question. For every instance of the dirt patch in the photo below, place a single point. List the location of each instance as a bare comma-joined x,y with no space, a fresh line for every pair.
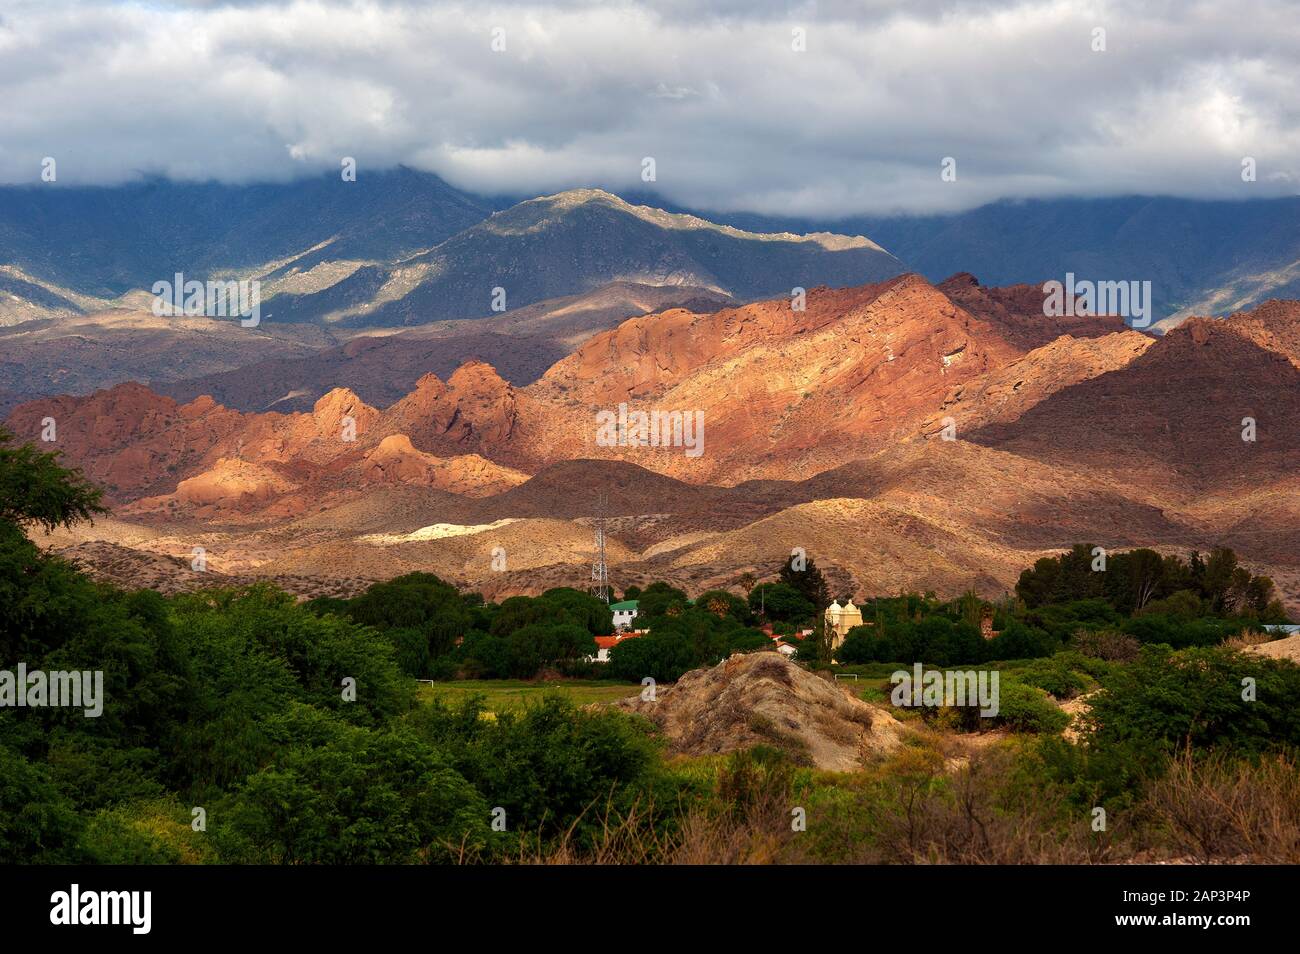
1288,648
764,698
1077,709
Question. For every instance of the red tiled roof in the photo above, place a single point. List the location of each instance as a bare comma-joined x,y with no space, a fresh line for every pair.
609,642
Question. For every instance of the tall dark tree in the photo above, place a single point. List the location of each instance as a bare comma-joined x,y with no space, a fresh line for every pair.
802,574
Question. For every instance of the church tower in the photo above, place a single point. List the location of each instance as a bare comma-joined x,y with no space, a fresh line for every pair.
841,619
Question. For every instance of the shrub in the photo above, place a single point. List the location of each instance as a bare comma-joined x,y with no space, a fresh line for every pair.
1198,698
548,765
1023,708
37,823
1220,808
362,797
1107,644
1086,776
1054,676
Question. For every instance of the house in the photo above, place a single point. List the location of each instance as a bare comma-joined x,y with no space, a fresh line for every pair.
624,613
605,643
768,630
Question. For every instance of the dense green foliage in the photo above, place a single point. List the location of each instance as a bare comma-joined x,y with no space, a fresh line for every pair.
1138,581
36,489
1075,600
780,601
685,637
1200,698
438,632
291,730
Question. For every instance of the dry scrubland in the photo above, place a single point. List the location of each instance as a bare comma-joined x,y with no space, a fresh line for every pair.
757,737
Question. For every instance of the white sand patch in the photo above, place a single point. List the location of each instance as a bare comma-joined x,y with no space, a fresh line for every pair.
437,531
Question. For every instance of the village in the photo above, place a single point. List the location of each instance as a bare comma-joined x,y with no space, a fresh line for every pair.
838,620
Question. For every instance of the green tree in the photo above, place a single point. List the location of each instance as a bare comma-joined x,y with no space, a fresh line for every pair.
582,609
539,645
722,604
780,601
359,796
550,766
803,576
416,601
36,489
658,599
1200,698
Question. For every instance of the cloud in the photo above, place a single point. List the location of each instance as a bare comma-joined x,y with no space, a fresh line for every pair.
735,118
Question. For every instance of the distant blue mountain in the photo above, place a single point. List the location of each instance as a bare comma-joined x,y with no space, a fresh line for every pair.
107,240
1201,256
1204,256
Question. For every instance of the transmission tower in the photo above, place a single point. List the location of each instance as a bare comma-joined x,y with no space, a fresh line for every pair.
599,569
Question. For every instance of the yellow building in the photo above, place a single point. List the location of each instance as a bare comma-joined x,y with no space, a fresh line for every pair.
841,619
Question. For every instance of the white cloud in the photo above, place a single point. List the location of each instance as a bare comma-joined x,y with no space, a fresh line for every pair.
733,116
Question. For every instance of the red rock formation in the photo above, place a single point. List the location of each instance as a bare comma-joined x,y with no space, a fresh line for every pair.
1017,312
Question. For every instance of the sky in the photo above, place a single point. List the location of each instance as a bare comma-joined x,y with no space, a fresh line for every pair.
1026,98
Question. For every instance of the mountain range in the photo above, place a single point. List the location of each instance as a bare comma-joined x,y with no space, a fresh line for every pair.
906,433
434,374
338,260
432,248
1202,257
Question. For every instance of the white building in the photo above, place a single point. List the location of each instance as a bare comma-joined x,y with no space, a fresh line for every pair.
624,614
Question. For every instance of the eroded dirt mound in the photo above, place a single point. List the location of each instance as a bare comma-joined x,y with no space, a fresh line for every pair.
1288,648
763,698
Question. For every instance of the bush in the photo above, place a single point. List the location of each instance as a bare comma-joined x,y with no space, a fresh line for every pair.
38,825
1023,708
752,779
534,647
261,623
1195,699
144,833
1220,809
1087,776
360,797
549,764
1054,676
1106,644
419,601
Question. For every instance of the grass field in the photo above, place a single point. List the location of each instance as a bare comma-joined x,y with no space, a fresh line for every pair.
872,682
511,694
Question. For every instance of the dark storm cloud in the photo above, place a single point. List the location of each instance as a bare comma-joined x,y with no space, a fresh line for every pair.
733,116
